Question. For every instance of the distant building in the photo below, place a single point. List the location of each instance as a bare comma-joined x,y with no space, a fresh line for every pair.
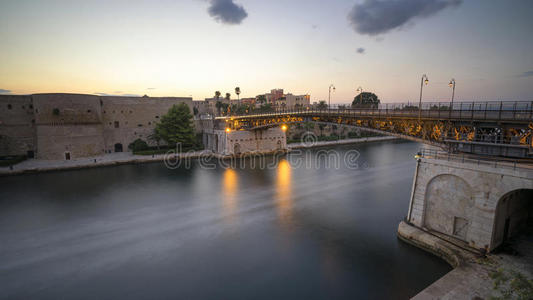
295,101
279,100
248,101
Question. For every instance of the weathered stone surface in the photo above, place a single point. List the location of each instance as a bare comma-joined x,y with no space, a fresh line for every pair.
241,142
52,125
469,201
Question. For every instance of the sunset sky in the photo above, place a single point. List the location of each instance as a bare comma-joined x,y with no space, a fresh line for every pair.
195,47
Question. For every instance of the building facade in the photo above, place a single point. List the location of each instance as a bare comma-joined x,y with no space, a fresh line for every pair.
69,126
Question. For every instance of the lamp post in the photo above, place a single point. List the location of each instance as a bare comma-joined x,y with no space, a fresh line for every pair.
452,85
329,95
360,90
423,81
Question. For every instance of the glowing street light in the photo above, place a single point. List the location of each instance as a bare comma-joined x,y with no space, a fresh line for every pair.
228,130
423,81
284,127
452,85
331,86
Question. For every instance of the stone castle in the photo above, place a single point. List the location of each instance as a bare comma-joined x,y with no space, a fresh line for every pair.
69,126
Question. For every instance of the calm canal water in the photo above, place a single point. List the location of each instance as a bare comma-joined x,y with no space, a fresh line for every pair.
147,232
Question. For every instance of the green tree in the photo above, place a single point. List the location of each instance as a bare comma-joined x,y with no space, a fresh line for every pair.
225,107
177,127
366,100
156,138
309,126
228,96
218,105
322,105
217,95
266,108
321,127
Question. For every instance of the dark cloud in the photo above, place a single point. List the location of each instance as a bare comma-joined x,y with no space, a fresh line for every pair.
373,17
226,11
526,74
360,50
2,91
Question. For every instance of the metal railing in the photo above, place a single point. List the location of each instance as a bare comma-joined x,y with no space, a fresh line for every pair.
476,159
493,110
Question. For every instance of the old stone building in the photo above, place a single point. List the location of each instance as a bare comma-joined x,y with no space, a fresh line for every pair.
245,142
68,126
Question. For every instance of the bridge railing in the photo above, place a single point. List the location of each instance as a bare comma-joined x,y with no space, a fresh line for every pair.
479,160
491,110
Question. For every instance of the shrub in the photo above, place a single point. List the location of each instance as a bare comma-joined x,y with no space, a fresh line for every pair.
352,135
138,145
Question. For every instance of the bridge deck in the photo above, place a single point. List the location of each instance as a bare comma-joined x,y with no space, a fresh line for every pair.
490,128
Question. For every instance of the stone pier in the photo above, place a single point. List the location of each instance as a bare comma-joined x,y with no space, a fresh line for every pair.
478,203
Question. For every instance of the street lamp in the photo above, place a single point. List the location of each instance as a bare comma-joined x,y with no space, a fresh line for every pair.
360,90
329,95
452,85
423,81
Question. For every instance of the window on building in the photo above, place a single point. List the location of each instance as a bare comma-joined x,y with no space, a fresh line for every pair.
117,125
157,117
88,110
140,125
31,106
23,107
9,106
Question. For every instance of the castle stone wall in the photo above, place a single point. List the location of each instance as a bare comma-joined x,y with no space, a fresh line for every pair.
50,125
17,128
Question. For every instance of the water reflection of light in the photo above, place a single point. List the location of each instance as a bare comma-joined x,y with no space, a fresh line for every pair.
283,192
229,193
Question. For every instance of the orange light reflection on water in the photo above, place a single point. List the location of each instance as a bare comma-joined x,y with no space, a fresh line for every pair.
230,184
284,192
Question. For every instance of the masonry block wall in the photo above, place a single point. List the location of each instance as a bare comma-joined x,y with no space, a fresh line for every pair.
17,125
51,125
468,201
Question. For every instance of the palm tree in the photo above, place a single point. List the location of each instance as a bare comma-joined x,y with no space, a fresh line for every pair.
217,95
219,106
238,92
228,96
261,99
